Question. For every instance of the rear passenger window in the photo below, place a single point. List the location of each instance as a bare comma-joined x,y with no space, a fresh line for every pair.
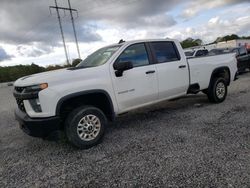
165,51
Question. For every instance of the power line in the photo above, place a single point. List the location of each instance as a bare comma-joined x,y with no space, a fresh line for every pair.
71,10
73,25
60,25
98,6
93,9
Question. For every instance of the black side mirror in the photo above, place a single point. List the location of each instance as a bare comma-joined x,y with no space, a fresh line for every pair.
120,67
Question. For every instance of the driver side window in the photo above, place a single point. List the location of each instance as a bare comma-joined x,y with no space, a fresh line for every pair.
136,54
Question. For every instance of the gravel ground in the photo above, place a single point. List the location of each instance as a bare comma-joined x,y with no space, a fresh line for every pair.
183,143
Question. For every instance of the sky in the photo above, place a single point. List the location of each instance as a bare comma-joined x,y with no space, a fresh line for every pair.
29,33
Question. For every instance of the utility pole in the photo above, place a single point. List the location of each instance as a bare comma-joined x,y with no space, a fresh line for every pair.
60,25
73,25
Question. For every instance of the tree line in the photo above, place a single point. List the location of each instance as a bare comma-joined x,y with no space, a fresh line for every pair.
12,73
190,42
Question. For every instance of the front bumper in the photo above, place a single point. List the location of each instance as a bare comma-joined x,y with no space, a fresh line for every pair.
37,127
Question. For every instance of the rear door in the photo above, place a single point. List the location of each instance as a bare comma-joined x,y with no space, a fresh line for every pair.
137,86
172,70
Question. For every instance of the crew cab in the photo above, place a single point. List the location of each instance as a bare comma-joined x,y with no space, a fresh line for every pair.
113,80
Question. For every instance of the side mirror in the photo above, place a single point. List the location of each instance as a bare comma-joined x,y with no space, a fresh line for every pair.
120,67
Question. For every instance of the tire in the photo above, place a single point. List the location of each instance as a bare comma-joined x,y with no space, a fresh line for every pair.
217,90
85,126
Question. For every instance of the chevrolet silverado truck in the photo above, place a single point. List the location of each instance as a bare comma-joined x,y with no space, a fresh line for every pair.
114,80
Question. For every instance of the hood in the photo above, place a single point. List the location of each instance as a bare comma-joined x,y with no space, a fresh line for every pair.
51,77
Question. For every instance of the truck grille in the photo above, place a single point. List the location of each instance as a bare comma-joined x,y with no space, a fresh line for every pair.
19,101
20,104
19,89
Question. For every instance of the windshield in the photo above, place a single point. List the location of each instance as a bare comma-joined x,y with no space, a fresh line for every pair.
99,57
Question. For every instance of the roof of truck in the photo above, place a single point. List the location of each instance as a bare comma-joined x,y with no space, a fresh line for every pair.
122,42
148,40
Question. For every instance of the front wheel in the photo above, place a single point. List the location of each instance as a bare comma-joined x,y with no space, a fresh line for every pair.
217,90
85,126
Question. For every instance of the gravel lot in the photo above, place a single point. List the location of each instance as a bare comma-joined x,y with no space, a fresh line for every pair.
183,143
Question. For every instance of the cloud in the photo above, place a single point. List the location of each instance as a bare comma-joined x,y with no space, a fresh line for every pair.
193,8
3,55
34,50
85,33
28,24
213,28
132,13
30,21
222,26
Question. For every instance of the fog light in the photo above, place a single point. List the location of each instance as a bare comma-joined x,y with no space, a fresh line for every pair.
36,105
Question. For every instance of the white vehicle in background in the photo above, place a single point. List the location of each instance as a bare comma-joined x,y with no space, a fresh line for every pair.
195,53
113,80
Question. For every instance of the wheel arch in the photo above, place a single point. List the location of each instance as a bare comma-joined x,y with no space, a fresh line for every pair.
98,98
224,72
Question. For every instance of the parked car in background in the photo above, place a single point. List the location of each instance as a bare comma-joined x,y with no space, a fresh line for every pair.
248,48
242,56
196,53
218,51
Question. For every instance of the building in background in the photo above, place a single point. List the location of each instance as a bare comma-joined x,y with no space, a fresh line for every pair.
234,43
206,46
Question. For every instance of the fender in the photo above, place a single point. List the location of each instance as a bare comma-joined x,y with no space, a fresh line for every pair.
218,70
82,93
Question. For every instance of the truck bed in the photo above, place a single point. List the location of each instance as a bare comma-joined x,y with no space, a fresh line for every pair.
201,68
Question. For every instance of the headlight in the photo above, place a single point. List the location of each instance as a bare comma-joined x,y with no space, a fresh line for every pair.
35,103
38,87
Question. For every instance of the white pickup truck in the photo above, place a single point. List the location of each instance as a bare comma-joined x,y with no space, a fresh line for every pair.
113,80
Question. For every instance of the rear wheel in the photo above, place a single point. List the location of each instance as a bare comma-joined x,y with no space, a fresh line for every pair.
217,90
85,126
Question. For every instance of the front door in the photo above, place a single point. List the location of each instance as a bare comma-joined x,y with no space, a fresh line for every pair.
137,86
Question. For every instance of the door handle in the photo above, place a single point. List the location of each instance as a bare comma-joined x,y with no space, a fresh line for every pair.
182,66
150,72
